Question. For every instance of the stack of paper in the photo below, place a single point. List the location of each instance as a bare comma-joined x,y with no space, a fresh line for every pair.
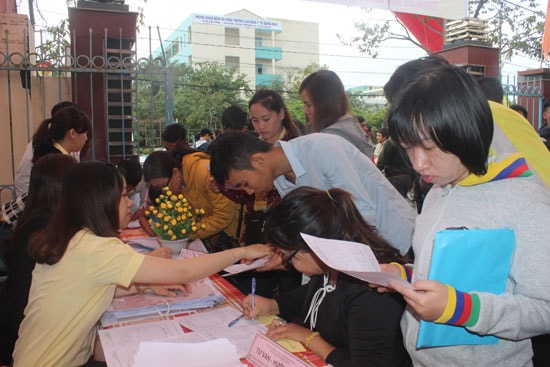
203,294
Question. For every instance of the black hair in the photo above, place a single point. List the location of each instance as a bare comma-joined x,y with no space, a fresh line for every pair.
406,72
174,133
205,131
91,196
520,109
131,170
492,88
446,105
232,151
273,101
160,164
61,105
328,97
234,118
55,128
384,132
328,214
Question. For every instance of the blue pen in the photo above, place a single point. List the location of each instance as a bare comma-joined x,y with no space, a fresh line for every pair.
252,303
232,323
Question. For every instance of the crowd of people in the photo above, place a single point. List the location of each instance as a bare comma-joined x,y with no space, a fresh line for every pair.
450,155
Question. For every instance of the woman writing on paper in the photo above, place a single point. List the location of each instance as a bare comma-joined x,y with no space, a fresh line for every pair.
80,261
444,122
345,322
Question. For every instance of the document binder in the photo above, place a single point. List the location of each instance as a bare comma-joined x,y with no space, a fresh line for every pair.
468,260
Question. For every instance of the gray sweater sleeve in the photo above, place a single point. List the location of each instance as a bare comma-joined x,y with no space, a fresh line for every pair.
524,309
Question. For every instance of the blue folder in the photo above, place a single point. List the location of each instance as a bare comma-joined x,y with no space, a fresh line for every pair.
468,260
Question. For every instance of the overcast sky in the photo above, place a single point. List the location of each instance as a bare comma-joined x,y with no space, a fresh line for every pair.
354,68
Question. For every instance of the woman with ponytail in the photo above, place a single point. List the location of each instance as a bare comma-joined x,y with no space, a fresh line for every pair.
65,132
341,319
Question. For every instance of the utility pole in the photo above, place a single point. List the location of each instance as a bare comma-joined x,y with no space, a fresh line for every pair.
31,12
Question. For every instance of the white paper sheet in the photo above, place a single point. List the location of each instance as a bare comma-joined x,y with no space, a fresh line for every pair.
353,258
215,326
240,268
214,353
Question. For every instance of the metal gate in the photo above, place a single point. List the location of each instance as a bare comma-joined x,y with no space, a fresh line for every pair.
31,83
527,92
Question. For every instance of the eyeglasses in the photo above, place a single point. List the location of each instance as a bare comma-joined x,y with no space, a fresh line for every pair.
287,261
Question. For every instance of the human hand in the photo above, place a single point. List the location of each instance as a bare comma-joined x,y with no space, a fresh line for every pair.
428,299
253,252
144,223
262,306
386,268
280,329
168,290
275,262
162,252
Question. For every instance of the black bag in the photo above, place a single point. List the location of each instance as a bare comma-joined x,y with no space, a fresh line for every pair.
254,226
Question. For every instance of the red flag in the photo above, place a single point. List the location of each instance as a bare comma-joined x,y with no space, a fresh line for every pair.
546,35
427,30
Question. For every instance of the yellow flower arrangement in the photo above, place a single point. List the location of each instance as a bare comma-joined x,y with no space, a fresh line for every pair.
173,218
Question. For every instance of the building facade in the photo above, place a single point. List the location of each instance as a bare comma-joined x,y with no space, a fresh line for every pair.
266,50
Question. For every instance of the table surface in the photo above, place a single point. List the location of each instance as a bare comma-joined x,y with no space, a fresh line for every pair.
232,298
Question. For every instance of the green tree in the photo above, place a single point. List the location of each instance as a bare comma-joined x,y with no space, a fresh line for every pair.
514,28
200,94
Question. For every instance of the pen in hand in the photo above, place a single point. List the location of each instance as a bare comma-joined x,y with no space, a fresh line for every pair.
252,303
232,323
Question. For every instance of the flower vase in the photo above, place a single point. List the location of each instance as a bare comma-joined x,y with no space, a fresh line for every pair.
175,245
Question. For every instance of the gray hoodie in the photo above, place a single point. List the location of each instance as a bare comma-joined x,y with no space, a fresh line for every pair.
523,310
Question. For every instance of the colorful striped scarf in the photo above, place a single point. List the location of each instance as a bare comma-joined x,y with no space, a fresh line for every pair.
514,165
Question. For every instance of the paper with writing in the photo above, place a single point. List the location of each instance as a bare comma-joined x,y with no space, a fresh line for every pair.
121,344
353,258
213,325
